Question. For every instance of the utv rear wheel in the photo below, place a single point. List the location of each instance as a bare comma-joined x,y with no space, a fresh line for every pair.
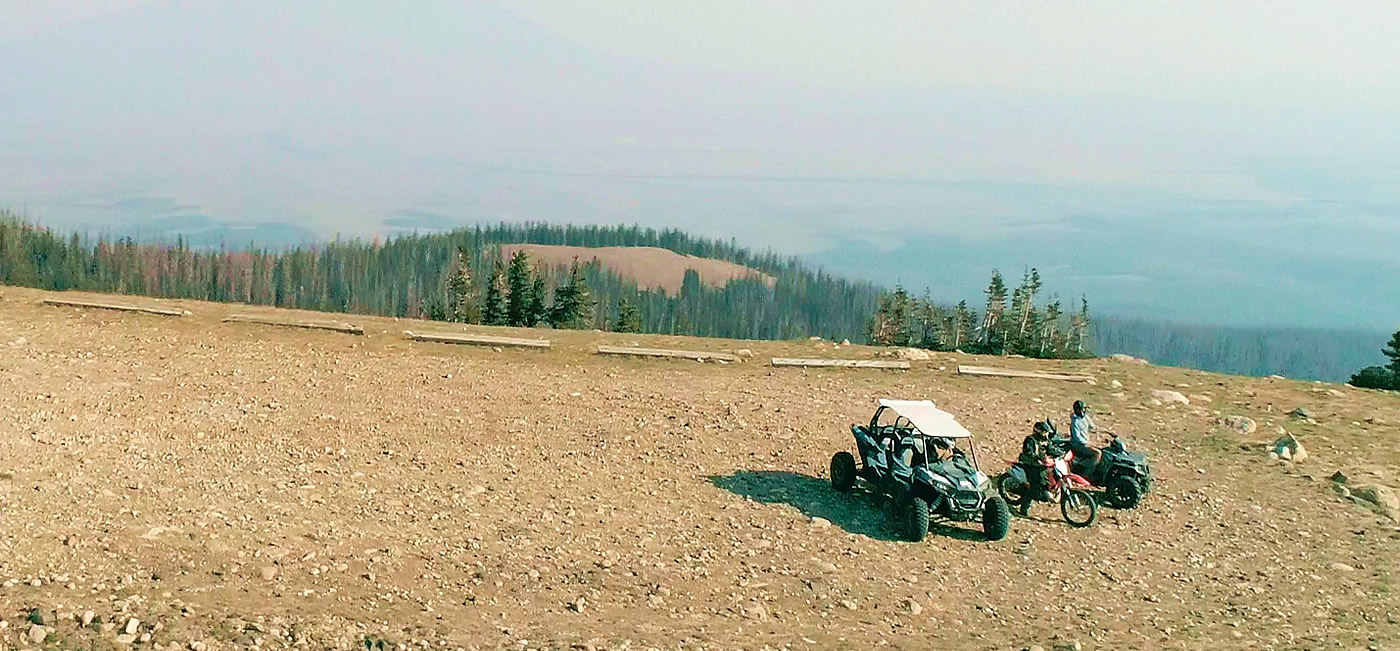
916,518
1079,508
996,518
1123,493
843,471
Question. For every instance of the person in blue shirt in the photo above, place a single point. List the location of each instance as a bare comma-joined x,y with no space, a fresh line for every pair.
1086,457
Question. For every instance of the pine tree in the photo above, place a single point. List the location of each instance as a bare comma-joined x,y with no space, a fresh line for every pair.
1392,350
1079,328
573,302
536,312
881,329
1048,340
520,286
929,322
899,317
990,335
963,318
628,318
461,292
493,311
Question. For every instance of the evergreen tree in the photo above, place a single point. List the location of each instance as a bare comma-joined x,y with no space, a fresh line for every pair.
1392,350
1079,328
991,334
536,312
1049,342
461,292
899,317
963,318
519,285
1374,377
881,330
493,310
573,302
929,322
628,318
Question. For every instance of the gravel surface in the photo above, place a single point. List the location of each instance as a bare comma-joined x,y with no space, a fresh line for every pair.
187,483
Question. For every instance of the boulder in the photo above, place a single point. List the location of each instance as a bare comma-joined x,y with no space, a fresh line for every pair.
1168,396
1381,498
845,342
1290,448
1300,413
1242,425
1116,384
743,353
1129,359
912,354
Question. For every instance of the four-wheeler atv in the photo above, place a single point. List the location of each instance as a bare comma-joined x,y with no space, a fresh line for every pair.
1124,476
920,456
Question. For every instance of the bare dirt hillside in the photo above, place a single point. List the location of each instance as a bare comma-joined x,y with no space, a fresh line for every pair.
649,267
189,483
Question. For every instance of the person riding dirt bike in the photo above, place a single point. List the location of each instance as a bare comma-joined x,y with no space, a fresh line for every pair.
1034,449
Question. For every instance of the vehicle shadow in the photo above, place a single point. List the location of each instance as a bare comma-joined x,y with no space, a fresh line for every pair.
860,511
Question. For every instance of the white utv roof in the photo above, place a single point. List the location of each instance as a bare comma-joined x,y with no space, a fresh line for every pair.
927,418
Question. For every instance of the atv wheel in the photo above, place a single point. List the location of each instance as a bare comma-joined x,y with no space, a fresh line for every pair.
916,518
996,518
1015,493
1123,493
843,471
1079,508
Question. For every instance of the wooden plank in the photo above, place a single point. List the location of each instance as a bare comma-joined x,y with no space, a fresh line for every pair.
838,363
477,340
315,324
1007,372
666,352
124,307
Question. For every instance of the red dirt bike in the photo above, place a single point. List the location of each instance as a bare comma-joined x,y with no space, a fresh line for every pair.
1077,505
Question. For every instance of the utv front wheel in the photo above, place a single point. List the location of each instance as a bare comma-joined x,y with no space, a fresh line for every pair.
916,516
996,518
1014,493
1123,493
843,471
1079,508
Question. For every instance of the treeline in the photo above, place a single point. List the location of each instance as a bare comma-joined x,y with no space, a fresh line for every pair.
1382,377
413,276
1019,328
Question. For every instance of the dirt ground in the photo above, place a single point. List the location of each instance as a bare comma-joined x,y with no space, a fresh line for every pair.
229,485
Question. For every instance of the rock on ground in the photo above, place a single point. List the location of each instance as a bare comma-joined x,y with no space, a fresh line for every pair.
1242,425
1168,396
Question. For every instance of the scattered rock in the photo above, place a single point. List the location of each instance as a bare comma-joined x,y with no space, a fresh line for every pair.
87,618
37,634
845,342
269,572
1339,477
131,626
1242,425
1341,567
1169,396
126,639
744,353
1336,394
820,523
1341,490
1116,384
1300,413
756,611
1381,498
912,607
849,605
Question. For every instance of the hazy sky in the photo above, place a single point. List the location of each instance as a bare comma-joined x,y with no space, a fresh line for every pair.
1230,162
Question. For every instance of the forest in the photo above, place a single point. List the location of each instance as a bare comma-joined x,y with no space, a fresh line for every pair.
413,276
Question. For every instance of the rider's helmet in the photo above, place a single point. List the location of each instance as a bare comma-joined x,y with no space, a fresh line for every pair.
1042,427
1079,407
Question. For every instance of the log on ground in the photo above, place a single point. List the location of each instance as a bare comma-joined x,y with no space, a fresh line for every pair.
666,352
1009,372
838,363
124,307
314,324
476,340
